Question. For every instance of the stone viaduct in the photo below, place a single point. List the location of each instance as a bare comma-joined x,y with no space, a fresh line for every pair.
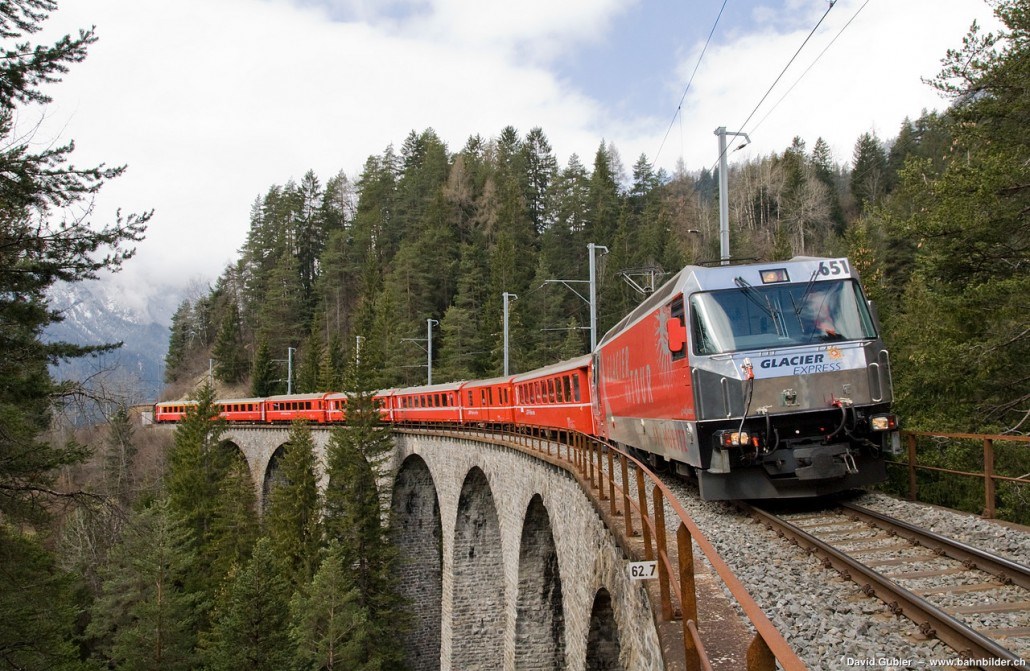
506,563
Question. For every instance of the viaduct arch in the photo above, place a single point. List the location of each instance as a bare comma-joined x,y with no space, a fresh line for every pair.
506,563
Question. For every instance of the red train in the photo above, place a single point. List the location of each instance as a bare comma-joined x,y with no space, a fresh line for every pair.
762,380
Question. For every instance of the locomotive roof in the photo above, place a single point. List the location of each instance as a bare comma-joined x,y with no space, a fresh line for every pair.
226,401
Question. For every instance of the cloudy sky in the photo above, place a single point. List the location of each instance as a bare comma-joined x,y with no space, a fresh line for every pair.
210,102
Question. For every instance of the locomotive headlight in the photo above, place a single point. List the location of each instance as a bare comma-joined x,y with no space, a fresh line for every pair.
883,422
732,438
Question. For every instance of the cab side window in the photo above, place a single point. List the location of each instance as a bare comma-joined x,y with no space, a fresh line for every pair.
677,329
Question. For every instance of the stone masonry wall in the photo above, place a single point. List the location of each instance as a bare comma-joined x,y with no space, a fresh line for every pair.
588,559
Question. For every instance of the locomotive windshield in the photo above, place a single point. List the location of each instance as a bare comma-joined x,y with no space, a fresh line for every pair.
781,315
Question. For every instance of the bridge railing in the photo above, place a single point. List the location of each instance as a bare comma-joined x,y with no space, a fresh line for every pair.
989,475
638,497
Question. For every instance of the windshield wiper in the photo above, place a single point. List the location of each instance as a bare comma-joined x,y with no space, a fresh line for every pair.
808,290
752,295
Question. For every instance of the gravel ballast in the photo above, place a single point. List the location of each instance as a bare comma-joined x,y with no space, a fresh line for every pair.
828,621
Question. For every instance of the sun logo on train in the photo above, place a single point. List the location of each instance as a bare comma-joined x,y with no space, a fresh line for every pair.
834,352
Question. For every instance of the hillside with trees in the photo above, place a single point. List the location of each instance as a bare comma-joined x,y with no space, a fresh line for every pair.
428,233
118,550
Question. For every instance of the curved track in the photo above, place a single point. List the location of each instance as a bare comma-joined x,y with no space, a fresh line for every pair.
921,575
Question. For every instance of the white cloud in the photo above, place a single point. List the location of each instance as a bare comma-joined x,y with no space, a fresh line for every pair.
537,30
211,102
209,113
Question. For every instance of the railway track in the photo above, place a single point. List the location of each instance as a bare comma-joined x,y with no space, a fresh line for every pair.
975,602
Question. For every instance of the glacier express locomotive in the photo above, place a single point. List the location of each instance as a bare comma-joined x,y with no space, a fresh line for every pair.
763,380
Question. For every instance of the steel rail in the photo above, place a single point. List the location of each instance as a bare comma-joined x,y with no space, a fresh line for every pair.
1005,569
932,621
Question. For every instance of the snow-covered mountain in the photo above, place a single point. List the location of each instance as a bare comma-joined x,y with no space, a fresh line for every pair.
102,312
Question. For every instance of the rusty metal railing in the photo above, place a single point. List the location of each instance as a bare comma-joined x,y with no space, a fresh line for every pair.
989,475
604,471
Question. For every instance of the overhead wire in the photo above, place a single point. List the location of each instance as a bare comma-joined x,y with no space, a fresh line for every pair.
821,53
679,108
780,76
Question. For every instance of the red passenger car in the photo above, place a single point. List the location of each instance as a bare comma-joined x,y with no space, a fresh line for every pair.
285,409
434,403
242,409
171,411
557,396
487,402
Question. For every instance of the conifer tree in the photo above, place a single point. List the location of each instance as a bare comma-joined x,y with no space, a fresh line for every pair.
521,356
573,345
962,330
292,516
331,365
329,625
179,341
211,491
37,600
235,525
905,144
311,358
197,463
353,516
603,201
541,169
352,499
828,173
262,373
283,317
143,618
869,171
614,297
503,278
457,349
310,230
545,312
424,170
48,236
337,208
570,193
464,187
373,226
464,349
230,359
252,623
385,345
